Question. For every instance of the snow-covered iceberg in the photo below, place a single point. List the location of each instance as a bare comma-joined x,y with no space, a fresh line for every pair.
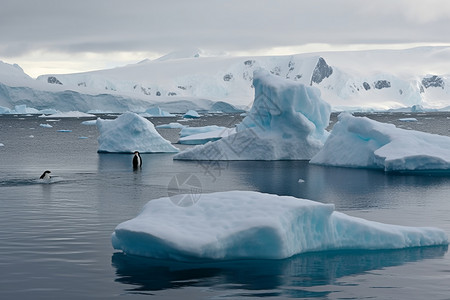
131,132
360,142
253,225
287,121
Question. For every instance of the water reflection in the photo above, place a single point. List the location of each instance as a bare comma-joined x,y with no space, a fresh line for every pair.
348,188
290,277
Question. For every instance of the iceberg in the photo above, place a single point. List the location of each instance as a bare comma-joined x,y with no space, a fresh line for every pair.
207,136
24,110
252,225
69,114
5,110
157,112
174,125
89,122
191,114
186,131
360,142
131,132
287,121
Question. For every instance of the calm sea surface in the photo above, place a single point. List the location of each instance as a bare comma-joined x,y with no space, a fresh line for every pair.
55,238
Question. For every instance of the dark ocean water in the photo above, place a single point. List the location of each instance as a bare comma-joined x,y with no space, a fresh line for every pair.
55,238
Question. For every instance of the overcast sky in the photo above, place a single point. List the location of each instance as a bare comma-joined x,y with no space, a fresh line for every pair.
55,36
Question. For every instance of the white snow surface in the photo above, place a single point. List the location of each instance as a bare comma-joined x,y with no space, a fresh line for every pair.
131,132
348,80
252,225
287,121
360,142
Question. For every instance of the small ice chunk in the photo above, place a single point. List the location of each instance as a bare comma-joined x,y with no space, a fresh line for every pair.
191,114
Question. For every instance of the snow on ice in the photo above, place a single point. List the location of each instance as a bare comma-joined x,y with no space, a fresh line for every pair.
287,121
131,132
253,225
360,142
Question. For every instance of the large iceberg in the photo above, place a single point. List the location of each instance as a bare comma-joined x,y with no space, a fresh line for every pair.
360,142
131,132
287,121
253,225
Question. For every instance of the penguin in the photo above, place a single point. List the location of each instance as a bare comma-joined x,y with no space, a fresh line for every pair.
45,175
137,160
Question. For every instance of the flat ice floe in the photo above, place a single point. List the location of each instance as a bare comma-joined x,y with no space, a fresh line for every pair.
287,121
253,225
209,136
131,132
360,142
69,114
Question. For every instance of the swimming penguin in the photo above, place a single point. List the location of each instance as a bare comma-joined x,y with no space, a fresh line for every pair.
45,175
137,160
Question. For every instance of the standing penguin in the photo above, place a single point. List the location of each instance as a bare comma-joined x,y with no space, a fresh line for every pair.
137,160
45,175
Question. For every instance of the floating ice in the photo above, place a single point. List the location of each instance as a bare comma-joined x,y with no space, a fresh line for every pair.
89,122
208,136
364,143
2,145
171,125
64,130
186,131
131,132
287,121
69,114
157,112
191,114
408,120
252,225
46,125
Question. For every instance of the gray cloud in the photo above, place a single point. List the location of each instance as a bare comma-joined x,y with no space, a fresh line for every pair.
227,25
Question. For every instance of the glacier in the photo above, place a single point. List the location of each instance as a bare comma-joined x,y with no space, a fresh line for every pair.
360,142
288,120
131,132
252,225
353,80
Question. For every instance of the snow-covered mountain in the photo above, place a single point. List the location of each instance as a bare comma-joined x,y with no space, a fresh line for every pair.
359,80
